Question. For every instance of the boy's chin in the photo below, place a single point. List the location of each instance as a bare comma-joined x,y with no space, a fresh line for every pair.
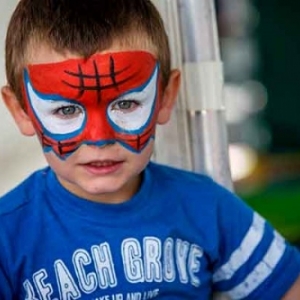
104,190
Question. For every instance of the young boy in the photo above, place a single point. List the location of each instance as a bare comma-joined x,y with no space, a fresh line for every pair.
92,79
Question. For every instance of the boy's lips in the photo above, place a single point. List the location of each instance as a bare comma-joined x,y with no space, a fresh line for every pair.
102,163
102,167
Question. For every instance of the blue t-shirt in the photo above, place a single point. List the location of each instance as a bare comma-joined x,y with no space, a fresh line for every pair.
181,236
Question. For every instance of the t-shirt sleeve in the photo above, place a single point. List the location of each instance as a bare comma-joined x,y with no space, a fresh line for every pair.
255,262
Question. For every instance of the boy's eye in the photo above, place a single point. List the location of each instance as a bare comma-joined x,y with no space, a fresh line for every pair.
69,111
125,105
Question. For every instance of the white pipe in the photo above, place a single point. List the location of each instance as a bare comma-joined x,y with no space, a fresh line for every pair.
203,83
199,27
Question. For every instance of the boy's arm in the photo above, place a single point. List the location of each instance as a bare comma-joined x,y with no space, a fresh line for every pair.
294,291
255,262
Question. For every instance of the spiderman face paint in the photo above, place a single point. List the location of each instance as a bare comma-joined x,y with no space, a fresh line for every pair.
105,99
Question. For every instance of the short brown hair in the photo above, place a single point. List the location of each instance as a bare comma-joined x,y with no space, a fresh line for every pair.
82,27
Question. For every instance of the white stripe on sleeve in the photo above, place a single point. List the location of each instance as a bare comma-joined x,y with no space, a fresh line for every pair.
262,270
244,251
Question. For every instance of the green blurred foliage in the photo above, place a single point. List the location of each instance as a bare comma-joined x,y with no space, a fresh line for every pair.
278,39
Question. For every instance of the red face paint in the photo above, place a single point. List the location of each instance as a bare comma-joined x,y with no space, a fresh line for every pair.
105,99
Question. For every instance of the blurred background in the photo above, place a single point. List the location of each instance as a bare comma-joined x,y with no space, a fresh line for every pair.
260,46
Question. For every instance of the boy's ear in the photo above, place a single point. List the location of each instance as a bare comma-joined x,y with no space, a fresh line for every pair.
169,97
20,116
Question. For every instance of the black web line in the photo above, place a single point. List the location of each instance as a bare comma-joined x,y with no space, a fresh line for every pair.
138,139
98,83
112,72
46,142
82,87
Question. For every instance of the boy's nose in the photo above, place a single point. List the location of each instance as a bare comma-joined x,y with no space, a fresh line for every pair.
99,130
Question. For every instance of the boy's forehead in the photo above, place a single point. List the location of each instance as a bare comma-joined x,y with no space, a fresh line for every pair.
110,73
41,53
47,56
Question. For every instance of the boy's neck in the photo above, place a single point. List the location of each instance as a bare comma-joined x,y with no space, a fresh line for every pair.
121,196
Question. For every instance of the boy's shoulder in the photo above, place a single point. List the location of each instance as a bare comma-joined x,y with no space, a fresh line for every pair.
184,180
193,190
23,194
173,173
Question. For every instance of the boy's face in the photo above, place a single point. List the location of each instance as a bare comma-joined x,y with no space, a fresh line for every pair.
109,98
96,118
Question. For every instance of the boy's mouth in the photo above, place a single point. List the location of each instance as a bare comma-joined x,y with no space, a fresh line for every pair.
103,167
102,163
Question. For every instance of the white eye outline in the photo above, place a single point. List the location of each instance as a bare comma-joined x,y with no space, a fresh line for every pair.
44,107
135,121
